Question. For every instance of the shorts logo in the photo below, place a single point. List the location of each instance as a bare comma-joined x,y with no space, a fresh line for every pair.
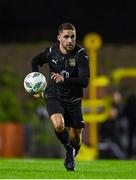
72,62
65,74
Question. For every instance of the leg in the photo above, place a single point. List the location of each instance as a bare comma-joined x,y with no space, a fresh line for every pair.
76,124
130,140
58,122
62,134
60,130
76,138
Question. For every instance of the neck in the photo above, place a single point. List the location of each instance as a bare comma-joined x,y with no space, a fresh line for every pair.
64,51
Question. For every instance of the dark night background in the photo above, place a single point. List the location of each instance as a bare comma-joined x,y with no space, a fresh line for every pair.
29,26
29,20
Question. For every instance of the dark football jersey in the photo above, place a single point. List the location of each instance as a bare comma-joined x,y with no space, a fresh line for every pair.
74,67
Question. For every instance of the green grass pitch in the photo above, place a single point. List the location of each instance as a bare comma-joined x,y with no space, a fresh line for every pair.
54,169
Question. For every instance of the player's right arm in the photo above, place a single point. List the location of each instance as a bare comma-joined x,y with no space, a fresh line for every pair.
39,60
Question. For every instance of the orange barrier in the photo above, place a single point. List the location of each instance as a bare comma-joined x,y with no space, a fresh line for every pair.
11,140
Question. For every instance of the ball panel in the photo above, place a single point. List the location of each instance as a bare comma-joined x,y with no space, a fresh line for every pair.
35,82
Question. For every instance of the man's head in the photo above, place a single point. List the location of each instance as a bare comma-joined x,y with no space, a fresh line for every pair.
67,37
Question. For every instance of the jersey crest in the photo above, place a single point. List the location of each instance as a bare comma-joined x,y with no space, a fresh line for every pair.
72,62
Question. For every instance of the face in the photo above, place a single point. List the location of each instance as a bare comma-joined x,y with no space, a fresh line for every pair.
117,97
67,39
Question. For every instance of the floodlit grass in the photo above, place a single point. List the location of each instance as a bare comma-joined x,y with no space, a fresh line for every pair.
54,169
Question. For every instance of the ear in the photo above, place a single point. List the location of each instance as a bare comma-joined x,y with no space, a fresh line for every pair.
58,37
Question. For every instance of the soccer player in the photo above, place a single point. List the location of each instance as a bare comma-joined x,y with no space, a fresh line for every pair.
69,74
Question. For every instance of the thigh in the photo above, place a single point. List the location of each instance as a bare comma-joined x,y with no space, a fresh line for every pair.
73,116
55,111
54,106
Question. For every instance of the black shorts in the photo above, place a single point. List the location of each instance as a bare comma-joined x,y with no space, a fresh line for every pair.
71,111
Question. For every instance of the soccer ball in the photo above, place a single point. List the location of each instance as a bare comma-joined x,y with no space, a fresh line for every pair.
35,82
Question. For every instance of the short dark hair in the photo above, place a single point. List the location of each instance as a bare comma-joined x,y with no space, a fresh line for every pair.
66,26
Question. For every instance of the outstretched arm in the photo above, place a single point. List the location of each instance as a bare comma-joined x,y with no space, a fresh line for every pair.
39,60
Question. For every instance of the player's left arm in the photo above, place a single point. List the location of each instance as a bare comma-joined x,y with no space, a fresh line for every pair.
83,70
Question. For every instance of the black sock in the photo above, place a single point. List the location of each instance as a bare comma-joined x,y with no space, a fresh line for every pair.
76,147
63,136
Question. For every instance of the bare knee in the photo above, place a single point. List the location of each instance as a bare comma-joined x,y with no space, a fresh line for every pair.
76,136
58,122
59,127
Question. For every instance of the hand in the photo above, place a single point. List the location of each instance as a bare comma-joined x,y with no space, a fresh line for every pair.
57,77
40,95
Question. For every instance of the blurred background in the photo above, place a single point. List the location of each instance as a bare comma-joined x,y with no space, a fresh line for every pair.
107,31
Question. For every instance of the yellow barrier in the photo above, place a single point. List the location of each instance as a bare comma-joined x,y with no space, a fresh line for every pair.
87,153
118,74
93,42
102,107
